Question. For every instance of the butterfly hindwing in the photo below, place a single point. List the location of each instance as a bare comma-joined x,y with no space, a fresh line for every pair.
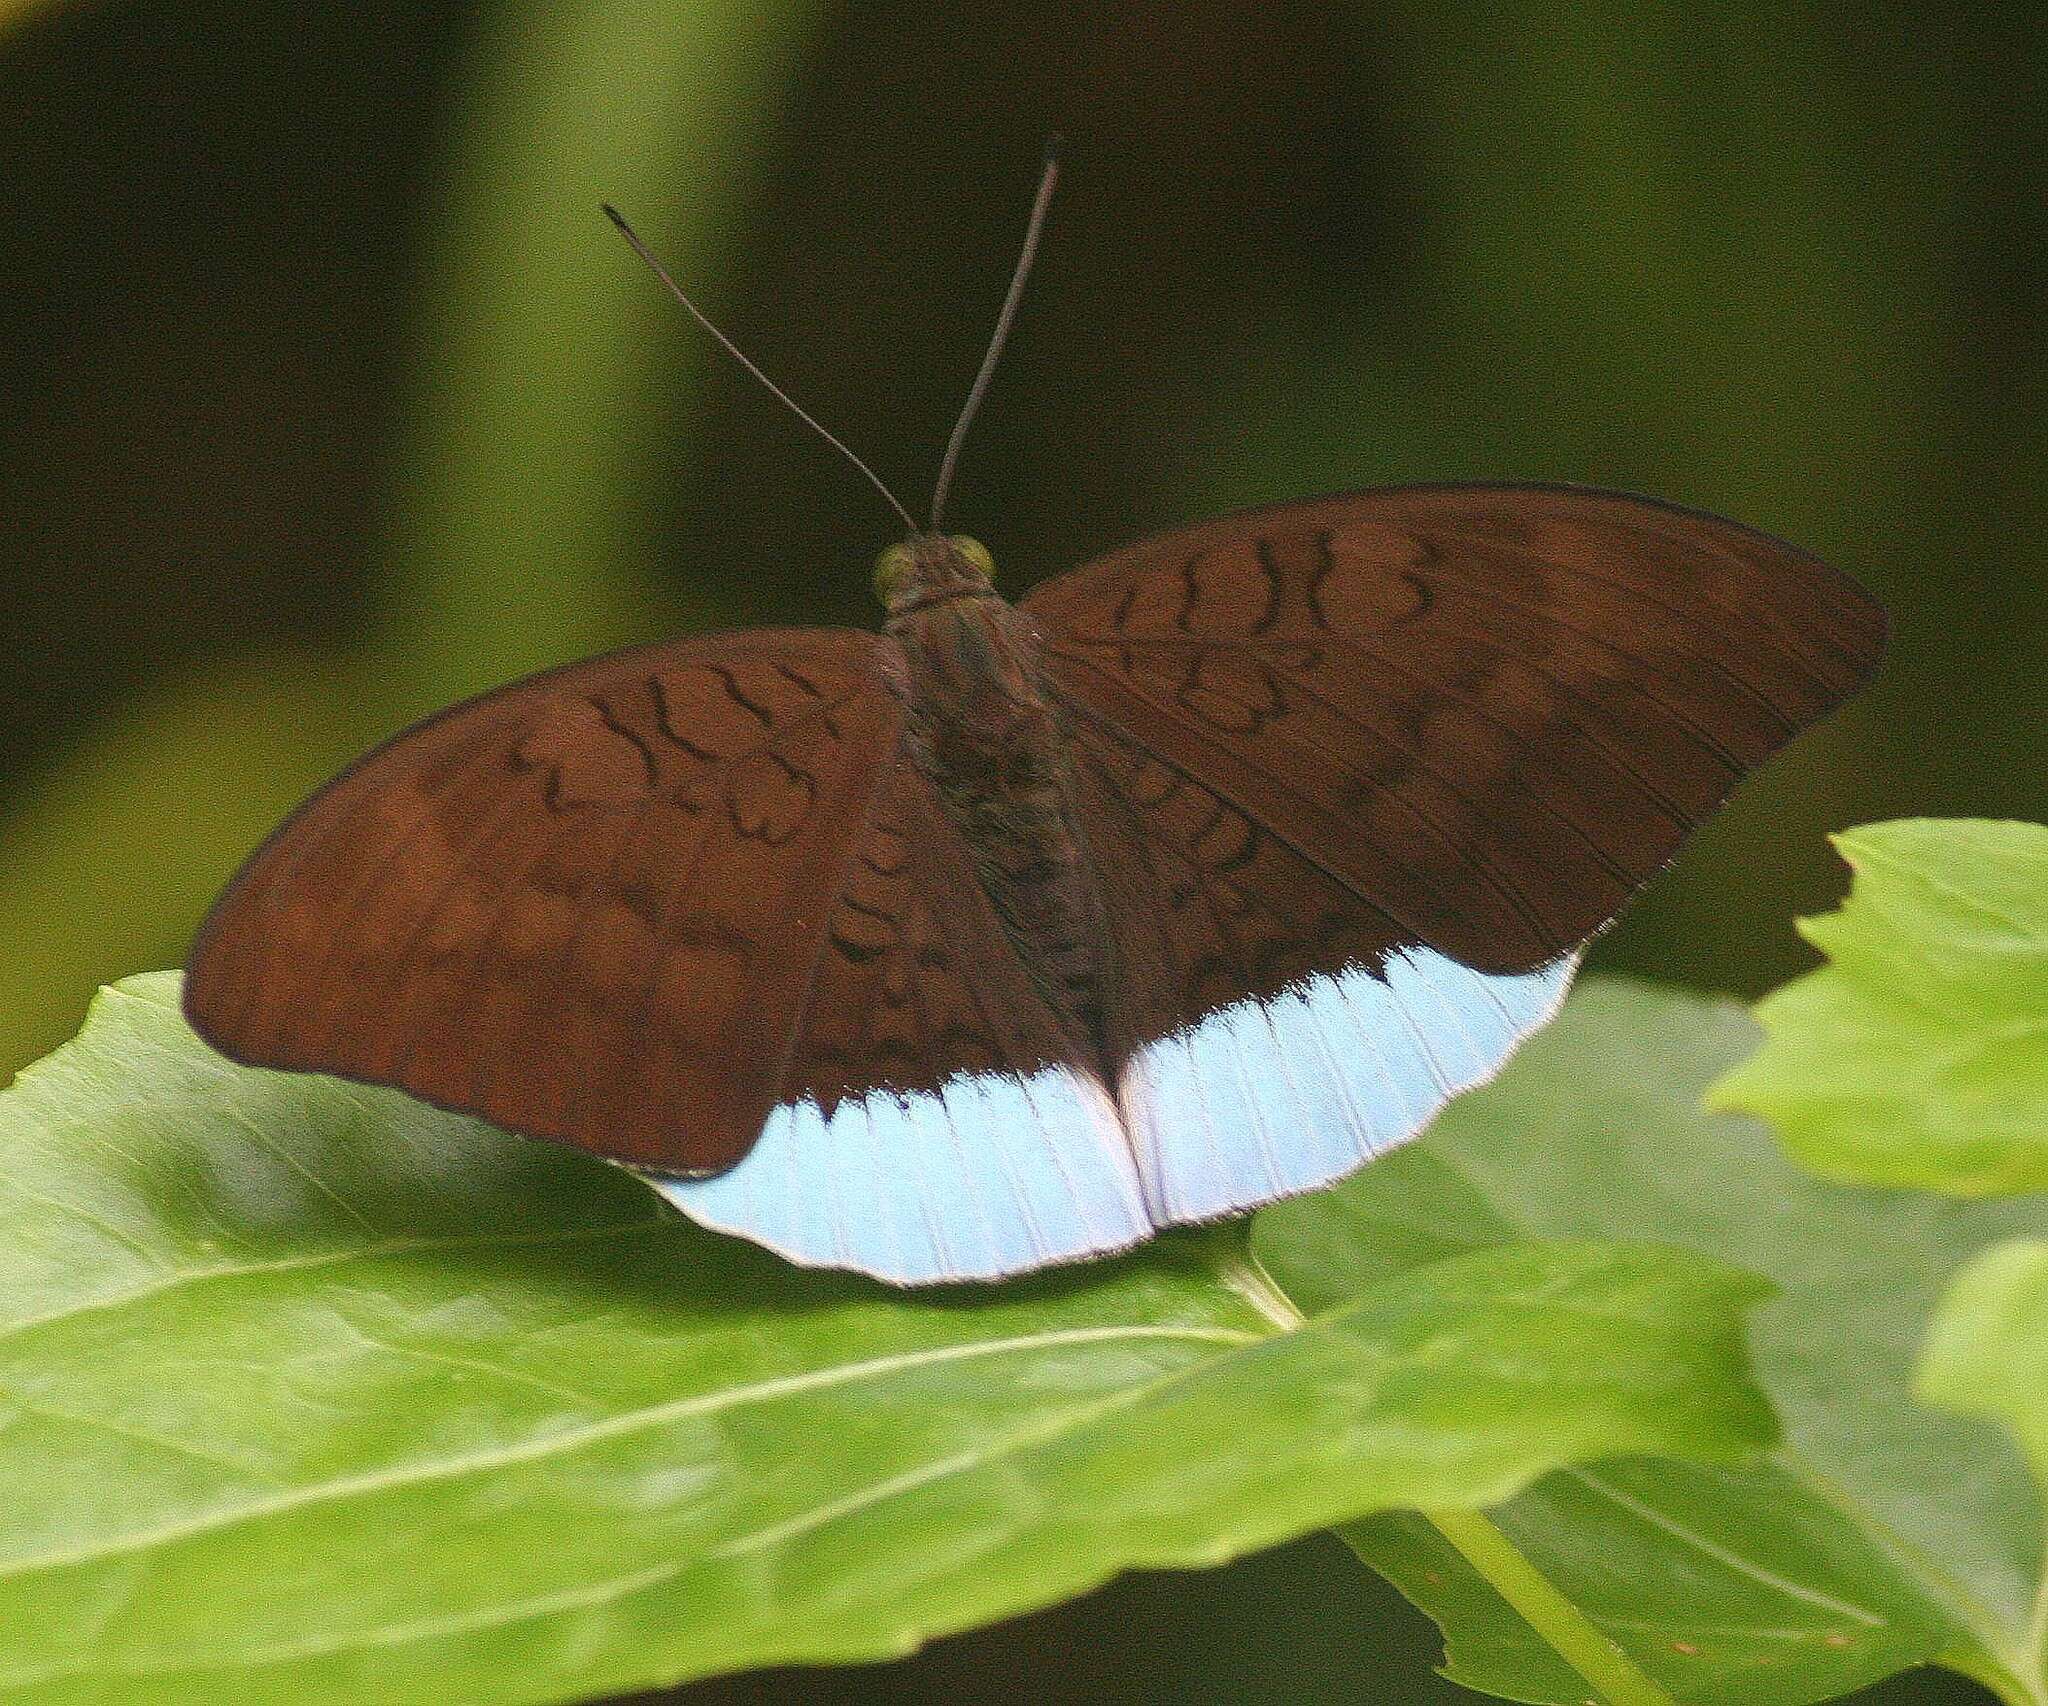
1270,1036
935,1120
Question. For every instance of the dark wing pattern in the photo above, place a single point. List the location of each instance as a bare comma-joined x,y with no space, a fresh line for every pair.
568,905
1492,713
662,905
934,1124
1267,1038
1368,771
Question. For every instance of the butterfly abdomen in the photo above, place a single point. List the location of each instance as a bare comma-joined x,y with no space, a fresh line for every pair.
983,729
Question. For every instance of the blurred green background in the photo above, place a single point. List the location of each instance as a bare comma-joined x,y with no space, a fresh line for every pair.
326,395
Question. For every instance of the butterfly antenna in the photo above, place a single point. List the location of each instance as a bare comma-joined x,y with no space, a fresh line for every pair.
732,349
995,344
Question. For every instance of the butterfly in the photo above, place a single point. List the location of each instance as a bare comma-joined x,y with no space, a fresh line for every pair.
1007,935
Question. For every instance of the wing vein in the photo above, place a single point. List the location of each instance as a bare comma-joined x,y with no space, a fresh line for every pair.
1095,714
1501,882
807,990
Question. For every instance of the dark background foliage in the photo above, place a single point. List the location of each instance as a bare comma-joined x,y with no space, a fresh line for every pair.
1784,261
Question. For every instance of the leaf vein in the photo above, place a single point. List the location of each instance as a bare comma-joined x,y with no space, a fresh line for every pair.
632,1421
1723,1555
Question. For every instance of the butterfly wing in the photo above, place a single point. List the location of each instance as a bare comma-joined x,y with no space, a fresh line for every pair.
565,905
1360,776
942,1129
679,906
1269,1039
1372,769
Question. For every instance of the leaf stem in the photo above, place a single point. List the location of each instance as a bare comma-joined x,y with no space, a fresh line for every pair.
1479,1541
1547,1611
1244,1274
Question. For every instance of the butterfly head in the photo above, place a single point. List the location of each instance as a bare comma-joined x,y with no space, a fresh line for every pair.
928,568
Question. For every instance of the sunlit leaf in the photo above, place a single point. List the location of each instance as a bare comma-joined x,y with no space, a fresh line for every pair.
1881,1535
1987,1354
1919,1055
314,1393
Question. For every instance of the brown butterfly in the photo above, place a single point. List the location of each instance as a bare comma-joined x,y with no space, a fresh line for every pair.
1005,936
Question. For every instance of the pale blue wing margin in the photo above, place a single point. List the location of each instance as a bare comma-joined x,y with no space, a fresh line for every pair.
987,1176
1267,1099
993,1175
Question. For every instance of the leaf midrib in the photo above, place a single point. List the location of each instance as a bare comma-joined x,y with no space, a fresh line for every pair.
623,1423
541,1605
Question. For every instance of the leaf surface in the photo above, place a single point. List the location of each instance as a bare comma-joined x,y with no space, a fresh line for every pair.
1881,1535
1987,1354
1918,1055
310,1392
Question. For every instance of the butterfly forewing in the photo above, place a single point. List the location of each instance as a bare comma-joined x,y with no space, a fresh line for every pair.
585,906
692,908
1490,714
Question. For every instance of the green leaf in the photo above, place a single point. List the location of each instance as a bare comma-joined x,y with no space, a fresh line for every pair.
1987,1354
1880,1535
311,1392
1919,1055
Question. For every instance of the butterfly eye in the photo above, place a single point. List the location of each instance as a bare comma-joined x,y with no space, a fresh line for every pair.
975,552
890,568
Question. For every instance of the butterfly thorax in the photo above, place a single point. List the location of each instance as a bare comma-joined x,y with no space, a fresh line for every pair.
982,725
